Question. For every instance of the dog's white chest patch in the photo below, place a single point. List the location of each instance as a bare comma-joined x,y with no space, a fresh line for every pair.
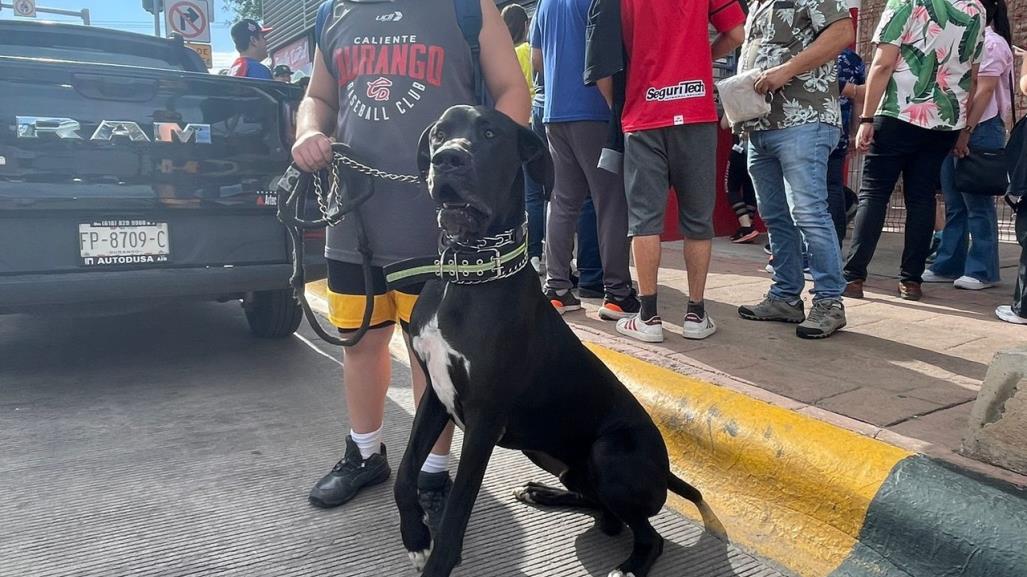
439,356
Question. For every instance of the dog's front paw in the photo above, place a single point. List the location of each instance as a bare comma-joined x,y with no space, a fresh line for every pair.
619,573
523,495
420,558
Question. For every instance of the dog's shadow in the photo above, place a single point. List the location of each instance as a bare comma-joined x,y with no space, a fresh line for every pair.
687,546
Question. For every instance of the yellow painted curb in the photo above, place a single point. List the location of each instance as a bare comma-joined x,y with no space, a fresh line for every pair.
787,487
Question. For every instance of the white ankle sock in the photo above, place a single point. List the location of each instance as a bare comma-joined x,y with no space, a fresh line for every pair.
368,443
435,463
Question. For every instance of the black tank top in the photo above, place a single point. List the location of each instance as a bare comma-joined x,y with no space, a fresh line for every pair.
399,64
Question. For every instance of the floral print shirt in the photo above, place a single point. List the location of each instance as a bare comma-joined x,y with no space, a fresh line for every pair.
775,32
940,41
851,70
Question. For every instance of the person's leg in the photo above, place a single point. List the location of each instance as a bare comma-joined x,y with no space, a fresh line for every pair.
607,191
534,203
982,261
693,149
836,193
366,373
881,170
804,156
590,264
1020,293
569,191
951,257
785,240
646,183
918,188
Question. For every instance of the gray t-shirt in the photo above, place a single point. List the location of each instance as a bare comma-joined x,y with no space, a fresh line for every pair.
399,64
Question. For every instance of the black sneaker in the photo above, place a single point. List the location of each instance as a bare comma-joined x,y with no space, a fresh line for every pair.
432,493
745,235
564,303
350,475
615,308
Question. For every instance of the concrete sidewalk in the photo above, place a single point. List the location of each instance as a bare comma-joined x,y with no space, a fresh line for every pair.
903,372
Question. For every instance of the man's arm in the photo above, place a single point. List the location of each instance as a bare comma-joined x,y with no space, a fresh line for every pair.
605,86
726,42
499,65
826,47
537,65
316,115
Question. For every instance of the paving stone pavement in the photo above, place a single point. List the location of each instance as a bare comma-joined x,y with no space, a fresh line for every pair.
171,444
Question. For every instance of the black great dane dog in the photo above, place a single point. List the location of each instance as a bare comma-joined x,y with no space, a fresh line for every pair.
507,369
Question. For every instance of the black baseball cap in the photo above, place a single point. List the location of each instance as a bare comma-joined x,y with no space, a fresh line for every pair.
244,30
281,70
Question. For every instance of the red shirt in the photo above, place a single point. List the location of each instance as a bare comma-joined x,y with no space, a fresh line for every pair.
670,68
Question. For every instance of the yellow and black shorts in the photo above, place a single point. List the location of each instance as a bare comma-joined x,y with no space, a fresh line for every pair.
346,298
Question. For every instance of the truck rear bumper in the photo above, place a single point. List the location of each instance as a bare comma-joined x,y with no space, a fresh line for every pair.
28,292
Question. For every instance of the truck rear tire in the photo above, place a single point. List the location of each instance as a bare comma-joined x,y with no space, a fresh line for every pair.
273,314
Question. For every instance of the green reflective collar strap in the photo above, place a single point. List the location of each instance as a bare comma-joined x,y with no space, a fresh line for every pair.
492,258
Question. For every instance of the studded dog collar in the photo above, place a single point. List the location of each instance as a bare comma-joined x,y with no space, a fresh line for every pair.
488,259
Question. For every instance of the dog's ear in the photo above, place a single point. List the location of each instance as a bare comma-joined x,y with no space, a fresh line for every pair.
536,158
424,152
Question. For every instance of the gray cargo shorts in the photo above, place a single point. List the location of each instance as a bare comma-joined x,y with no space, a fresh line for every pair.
683,157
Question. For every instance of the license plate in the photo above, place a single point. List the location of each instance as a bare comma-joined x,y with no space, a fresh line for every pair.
123,242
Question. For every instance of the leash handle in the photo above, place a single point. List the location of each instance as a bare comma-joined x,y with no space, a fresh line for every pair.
350,191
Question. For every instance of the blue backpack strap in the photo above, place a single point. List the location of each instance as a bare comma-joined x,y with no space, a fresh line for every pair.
468,16
323,13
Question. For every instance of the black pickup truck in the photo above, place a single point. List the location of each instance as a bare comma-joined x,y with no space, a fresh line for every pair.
129,177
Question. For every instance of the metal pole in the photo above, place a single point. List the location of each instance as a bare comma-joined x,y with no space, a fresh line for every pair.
83,14
156,20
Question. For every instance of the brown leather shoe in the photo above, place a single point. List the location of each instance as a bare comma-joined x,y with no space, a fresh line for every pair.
853,290
910,291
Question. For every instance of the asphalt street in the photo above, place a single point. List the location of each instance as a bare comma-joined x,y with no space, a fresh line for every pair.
171,443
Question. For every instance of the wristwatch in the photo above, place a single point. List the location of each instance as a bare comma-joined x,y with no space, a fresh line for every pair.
866,119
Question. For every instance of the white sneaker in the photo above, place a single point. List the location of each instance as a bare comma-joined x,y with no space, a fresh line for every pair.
1005,312
971,284
930,276
536,263
698,328
650,331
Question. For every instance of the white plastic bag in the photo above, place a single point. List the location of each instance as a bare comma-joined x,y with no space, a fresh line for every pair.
739,98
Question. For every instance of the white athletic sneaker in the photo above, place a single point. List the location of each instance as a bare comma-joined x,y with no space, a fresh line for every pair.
930,276
650,331
1005,312
698,328
971,284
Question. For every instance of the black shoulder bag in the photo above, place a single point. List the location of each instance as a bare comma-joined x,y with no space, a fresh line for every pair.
985,172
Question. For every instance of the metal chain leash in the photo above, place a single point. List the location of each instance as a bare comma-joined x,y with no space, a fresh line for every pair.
340,159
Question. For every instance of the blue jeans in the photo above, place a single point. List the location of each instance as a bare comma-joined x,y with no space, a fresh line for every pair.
534,203
789,170
590,263
970,215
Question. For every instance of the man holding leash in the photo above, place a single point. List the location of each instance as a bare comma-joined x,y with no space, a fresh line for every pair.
383,71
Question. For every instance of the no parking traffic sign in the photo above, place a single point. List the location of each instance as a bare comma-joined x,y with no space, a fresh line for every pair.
190,18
